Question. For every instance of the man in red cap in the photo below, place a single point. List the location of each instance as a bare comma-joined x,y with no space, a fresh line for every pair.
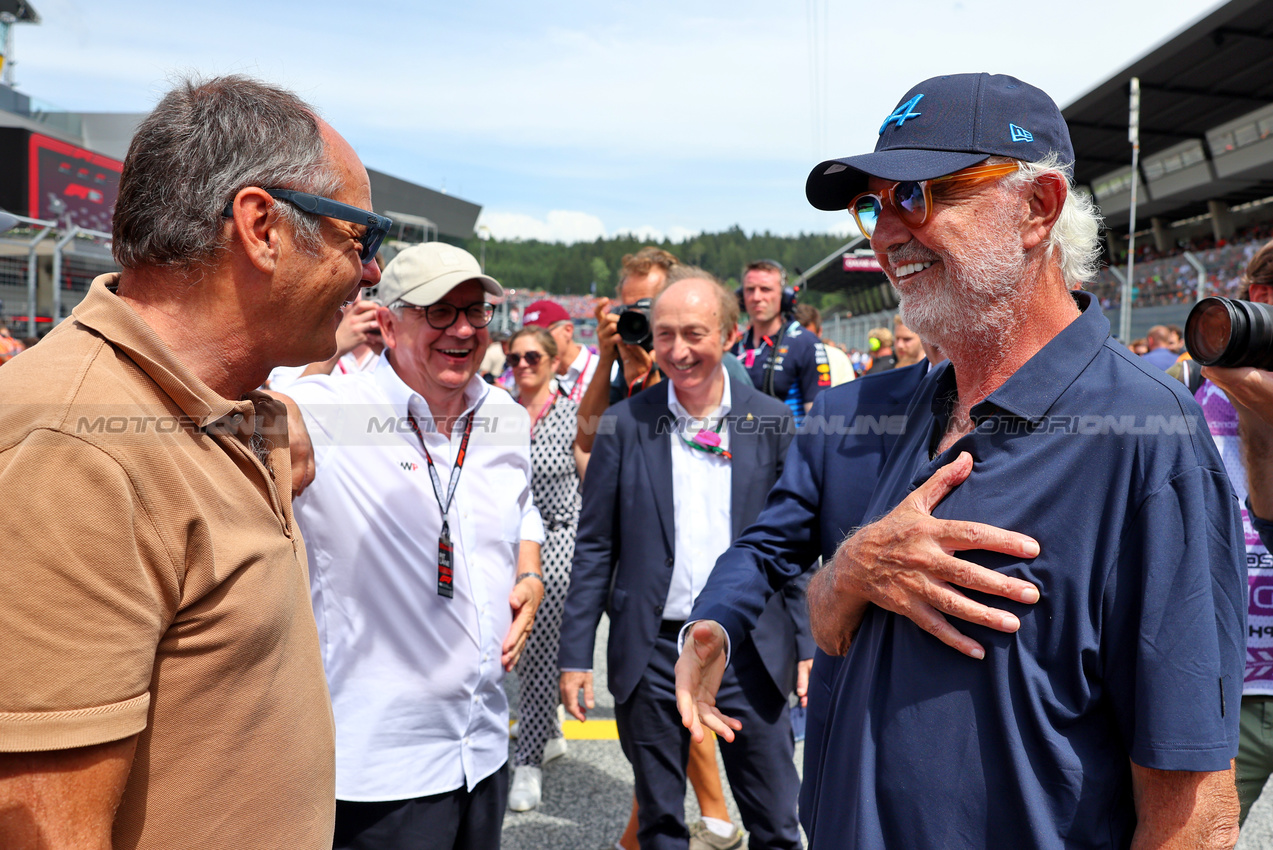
578,363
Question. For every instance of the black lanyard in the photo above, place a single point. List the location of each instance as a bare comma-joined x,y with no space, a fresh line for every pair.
446,553
775,360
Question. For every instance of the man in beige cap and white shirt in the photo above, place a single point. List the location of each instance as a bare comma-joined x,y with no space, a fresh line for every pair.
424,552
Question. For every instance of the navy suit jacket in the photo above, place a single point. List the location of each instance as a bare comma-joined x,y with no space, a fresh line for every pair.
625,547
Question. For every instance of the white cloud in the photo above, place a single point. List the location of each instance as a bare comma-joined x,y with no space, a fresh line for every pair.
559,226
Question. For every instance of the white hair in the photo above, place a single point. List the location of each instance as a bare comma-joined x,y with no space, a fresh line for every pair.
1075,237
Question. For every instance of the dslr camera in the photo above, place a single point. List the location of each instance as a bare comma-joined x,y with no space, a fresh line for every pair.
634,324
1228,333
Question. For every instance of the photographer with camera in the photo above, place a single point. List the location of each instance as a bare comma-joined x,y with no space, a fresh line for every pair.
1238,405
781,358
628,362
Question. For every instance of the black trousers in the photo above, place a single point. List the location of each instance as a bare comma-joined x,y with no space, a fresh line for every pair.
759,763
457,820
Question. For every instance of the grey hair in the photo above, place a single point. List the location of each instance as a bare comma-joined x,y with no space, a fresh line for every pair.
206,140
1075,238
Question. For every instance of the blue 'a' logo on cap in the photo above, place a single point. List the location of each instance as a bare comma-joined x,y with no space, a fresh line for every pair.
1019,134
902,112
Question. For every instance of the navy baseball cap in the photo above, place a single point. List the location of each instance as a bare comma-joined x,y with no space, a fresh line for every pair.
946,124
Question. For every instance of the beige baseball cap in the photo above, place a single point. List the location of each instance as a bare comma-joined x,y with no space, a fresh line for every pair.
423,274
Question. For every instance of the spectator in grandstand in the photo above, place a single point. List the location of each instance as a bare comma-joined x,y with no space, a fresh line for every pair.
630,367
1158,338
882,357
782,359
1140,346
556,464
1246,444
426,574
1134,751
685,448
161,684
907,348
838,365
358,347
577,363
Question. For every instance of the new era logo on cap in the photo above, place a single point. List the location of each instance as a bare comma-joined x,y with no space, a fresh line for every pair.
966,118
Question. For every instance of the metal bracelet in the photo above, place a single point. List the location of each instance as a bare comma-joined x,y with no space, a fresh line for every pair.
521,576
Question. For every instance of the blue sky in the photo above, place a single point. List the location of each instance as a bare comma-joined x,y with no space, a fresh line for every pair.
573,120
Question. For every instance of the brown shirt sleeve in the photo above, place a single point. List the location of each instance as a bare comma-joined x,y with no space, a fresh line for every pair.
87,589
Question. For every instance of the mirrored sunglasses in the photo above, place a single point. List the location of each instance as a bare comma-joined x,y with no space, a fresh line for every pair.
913,199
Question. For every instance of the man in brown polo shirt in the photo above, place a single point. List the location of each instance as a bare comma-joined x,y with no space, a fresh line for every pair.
160,678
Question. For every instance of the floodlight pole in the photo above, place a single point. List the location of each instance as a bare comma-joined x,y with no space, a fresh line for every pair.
1133,136
1202,273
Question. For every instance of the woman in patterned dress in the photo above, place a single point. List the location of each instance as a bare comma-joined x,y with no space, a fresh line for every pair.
556,465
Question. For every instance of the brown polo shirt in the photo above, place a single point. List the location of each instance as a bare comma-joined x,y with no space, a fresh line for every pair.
153,583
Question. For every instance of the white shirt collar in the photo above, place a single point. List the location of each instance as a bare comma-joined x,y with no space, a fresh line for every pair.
680,412
408,402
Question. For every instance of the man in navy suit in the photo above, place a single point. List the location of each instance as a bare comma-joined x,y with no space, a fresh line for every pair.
675,475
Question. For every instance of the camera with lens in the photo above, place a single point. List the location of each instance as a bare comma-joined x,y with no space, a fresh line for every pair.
634,324
1228,333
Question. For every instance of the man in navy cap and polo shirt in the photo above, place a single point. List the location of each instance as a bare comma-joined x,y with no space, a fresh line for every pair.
1094,699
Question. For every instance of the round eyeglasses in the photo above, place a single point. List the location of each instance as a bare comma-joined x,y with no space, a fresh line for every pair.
441,315
913,199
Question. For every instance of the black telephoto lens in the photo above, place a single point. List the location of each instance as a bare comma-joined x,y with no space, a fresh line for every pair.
1229,333
634,324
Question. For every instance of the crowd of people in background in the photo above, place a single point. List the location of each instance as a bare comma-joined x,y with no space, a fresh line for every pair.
285,604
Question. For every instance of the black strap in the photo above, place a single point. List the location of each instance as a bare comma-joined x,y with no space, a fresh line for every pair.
775,359
454,478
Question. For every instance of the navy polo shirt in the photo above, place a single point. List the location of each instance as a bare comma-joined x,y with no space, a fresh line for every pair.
801,372
1135,650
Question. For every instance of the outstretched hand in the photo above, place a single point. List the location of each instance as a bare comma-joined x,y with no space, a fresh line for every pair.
905,563
698,675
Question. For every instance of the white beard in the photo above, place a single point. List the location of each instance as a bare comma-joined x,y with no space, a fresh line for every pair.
975,296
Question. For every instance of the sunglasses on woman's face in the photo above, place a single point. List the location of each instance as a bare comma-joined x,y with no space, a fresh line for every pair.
533,359
913,199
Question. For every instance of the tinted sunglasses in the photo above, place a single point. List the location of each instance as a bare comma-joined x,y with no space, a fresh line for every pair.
533,359
378,226
913,199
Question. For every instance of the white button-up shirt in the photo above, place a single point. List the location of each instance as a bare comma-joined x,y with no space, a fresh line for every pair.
415,678
578,374
701,490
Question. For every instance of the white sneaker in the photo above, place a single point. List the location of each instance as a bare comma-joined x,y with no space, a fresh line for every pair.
527,787
554,749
